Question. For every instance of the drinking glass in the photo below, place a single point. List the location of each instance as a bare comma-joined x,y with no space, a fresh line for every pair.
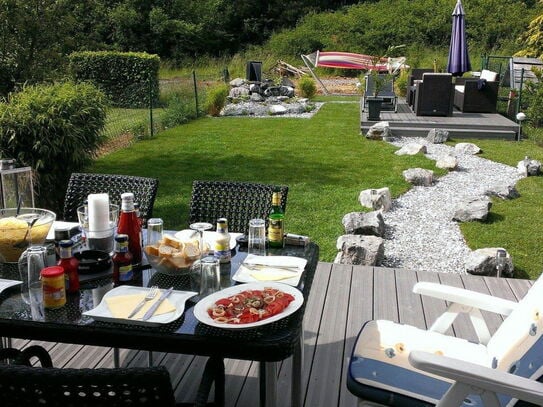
201,227
102,239
257,237
31,262
155,228
207,275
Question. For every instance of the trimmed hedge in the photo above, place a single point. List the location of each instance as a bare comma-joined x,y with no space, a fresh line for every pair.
56,130
127,78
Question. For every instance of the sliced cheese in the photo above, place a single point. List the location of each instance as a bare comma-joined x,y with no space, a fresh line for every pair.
121,306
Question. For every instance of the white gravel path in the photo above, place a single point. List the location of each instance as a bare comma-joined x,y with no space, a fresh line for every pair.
420,234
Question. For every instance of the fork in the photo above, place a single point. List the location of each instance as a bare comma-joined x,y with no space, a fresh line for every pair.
153,291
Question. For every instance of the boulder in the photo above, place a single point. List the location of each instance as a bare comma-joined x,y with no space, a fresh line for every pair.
256,97
364,223
376,199
437,136
473,209
419,176
467,148
360,250
378,131
238,92
529,167
503,191
237,82
483,262
447,162
411,149
275,110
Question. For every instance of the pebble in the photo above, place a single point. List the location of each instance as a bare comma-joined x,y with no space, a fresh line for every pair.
419,232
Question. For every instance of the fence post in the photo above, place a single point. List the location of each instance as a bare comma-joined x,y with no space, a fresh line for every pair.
151,127
195,90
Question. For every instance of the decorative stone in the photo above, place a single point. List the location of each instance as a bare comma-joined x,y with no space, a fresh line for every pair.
437,136
482,262
419,176
238,92
378,131
411,149
529,167
275,110
473,209
447,162
376,199
364,223
287,82
360,250
256,97
503,192
237,82
467,148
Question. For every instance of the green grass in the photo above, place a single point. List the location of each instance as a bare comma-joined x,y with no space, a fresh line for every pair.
324,161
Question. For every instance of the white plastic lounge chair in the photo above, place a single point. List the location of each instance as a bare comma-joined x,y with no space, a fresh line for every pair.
401,365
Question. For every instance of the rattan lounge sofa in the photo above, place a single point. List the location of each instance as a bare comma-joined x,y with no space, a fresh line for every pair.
477,95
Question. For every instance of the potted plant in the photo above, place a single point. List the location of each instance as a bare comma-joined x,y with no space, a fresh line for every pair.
374,101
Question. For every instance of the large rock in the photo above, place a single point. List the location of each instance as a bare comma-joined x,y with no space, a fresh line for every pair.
411,149
379,131
447,162
237,82
467,148
238,92
437,136
362,223
483,262
503,191
529,167
377,199
275,110
419,176
473,209
360,250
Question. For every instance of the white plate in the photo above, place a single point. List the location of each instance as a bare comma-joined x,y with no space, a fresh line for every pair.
177,298
200,310
244,274
209,237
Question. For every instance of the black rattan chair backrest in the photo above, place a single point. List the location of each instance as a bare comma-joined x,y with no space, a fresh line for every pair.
239,202
36,386
81,185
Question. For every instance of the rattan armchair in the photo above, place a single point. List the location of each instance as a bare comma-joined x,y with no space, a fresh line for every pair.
415,75
434,95
239,202
81,185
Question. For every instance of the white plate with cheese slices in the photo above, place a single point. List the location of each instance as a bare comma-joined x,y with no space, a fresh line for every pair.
281,269
119,302
209,237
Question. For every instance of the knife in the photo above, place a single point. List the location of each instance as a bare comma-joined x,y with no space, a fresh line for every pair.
165,294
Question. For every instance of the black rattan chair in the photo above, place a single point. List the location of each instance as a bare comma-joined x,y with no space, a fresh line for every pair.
81,185
415,75
434,95
239,202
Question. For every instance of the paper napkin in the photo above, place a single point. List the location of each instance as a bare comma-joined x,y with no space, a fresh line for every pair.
120,306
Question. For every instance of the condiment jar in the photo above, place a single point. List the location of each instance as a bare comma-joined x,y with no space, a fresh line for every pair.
54,290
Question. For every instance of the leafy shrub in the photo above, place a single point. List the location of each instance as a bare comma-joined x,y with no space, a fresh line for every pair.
55,129
180,109
129,79
533,100
400,83
308,88
216,99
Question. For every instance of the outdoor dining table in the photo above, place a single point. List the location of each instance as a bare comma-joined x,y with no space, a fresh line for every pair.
266,344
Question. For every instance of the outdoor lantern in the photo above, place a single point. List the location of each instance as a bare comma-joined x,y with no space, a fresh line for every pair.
520,118
15,183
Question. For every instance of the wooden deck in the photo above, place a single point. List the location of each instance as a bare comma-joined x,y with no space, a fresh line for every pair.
342,299
405,123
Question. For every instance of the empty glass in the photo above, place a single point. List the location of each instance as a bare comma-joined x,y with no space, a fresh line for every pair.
31,262
206,274
257,237
155,228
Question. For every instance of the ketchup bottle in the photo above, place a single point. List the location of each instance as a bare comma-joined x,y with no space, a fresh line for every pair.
130,225
70,265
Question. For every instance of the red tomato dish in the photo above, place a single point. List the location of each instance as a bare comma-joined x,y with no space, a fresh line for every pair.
249,306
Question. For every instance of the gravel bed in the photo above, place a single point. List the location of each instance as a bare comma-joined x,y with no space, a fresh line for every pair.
420,234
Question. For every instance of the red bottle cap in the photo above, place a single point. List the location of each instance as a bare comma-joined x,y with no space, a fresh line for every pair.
52,271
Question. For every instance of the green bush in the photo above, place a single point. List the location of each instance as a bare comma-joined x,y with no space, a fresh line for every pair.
307,86
179,110
129,79
216,99
55,129
400,83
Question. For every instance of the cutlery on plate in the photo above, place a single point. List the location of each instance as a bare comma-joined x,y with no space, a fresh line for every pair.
165,294
153,291
256,266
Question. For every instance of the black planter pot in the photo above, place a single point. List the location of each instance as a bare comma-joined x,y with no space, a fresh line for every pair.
374,108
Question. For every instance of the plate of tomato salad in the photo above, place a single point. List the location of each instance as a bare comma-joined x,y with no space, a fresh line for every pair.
248,305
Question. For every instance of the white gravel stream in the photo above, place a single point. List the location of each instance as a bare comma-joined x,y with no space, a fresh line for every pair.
420,234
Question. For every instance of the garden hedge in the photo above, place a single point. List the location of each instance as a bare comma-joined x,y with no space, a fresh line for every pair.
127,78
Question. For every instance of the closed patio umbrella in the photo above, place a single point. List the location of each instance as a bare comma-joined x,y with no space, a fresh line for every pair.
458,61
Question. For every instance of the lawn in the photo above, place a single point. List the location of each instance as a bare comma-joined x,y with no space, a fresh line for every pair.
326,163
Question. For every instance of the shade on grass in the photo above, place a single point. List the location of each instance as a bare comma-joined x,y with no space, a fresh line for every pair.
326,164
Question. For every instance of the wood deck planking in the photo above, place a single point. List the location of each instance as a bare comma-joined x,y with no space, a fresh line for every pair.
331,327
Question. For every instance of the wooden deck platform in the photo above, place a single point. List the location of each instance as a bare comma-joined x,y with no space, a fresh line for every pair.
342,299
405,123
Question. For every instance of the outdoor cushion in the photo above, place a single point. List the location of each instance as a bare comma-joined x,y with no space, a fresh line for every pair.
379,369
488,75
